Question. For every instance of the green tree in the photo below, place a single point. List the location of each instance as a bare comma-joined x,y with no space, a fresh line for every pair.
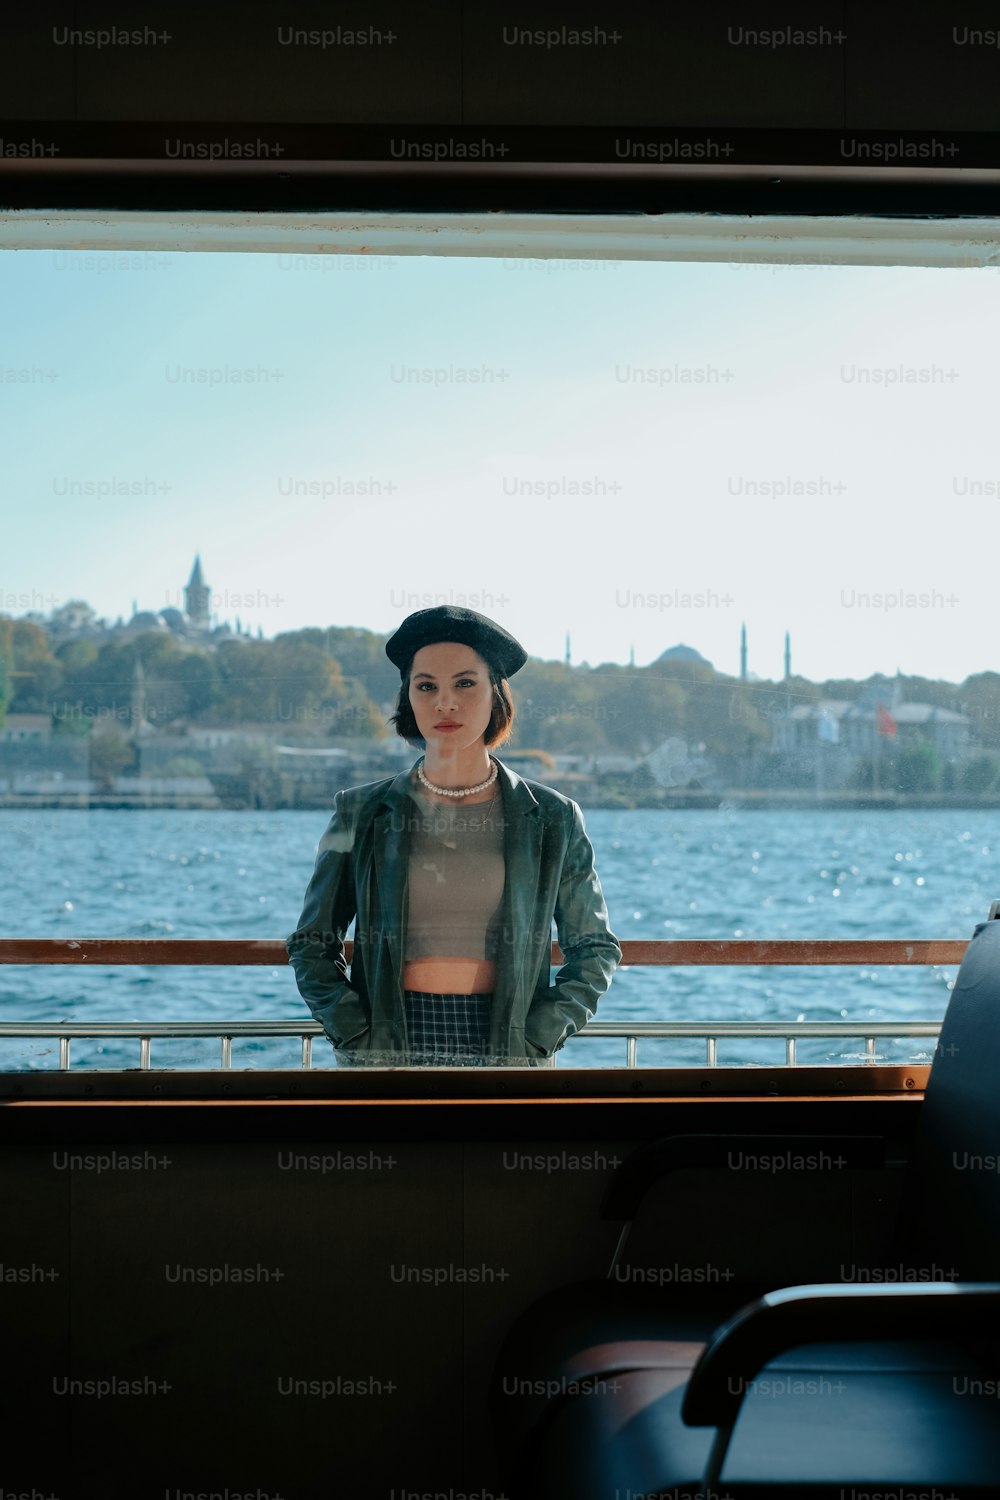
361,655
182,765
6,660
862,777
979,699
258,764
351,713
101,685
36,672
110,755
286,680
200,681
979,774
76,656
916,770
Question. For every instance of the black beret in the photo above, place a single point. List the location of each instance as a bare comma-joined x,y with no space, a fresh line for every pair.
450,622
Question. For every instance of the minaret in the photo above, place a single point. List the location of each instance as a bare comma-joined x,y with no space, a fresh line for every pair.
631,656
196,597
138,709
743,653
788,656
567,648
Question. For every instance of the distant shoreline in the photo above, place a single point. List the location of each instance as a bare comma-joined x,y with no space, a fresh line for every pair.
617,801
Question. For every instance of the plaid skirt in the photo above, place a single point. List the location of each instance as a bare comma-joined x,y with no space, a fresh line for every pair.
447,1029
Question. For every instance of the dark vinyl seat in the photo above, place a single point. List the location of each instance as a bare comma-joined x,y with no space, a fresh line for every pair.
897,1419
611,1391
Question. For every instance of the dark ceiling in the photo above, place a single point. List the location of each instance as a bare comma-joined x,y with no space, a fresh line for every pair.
858,106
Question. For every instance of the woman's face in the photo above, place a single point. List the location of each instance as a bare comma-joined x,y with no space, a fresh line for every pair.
450,683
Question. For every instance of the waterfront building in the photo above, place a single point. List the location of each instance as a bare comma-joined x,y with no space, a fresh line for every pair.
833,735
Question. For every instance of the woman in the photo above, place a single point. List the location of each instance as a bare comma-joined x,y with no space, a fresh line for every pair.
454,870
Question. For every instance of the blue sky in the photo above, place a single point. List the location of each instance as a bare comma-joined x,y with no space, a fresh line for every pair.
476,399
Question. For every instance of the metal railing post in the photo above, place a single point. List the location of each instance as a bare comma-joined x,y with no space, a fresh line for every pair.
724,952
790,1032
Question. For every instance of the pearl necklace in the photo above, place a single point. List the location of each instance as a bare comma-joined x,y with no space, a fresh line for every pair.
444,791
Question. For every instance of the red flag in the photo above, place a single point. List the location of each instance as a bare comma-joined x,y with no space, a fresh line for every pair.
884,720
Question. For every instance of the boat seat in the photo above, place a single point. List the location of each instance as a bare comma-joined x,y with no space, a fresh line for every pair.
579,1334
816,1419
604,1387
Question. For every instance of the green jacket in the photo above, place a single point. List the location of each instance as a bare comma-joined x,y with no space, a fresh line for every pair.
362,871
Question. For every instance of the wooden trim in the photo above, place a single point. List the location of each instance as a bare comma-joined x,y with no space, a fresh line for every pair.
369,1087
479,1103
653,952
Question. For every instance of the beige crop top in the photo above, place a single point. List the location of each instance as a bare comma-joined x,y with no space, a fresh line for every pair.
456,879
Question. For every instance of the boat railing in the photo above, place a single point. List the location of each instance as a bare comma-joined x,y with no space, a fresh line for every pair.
141,952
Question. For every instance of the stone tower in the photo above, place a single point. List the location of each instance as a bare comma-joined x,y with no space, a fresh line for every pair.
196,598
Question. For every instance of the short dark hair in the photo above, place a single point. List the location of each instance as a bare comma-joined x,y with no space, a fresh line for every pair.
498,730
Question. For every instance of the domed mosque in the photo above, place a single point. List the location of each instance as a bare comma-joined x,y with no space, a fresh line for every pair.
682,653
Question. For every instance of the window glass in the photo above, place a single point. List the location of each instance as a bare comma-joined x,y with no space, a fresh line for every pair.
734,513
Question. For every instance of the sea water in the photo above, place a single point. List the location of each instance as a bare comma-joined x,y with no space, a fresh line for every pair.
730,873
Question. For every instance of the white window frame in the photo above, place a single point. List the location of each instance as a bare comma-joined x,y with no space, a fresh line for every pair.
729,238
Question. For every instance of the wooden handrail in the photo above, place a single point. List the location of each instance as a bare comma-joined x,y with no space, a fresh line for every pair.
654,952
